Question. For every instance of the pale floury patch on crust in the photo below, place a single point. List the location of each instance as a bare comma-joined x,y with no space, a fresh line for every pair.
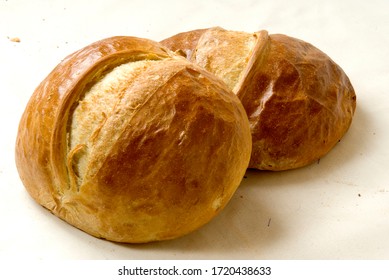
97,105
213,53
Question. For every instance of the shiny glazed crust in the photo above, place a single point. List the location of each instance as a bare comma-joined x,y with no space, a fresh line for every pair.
129,142
299,102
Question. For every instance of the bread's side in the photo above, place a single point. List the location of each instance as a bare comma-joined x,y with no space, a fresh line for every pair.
300,106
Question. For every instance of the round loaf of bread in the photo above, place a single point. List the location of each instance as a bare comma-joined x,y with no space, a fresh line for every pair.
130,143
299,102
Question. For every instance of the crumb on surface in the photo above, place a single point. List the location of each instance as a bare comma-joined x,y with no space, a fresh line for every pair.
15,39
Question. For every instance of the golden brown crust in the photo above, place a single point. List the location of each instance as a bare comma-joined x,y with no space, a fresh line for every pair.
299,102
185,43
160,163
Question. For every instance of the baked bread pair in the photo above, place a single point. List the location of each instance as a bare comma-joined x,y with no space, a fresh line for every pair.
132,142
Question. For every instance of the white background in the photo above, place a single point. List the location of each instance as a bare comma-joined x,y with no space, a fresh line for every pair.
337,208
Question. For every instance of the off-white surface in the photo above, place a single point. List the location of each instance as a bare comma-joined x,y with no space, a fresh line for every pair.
337,208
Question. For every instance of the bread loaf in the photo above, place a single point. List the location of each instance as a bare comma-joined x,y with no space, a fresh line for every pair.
299,102
129,142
